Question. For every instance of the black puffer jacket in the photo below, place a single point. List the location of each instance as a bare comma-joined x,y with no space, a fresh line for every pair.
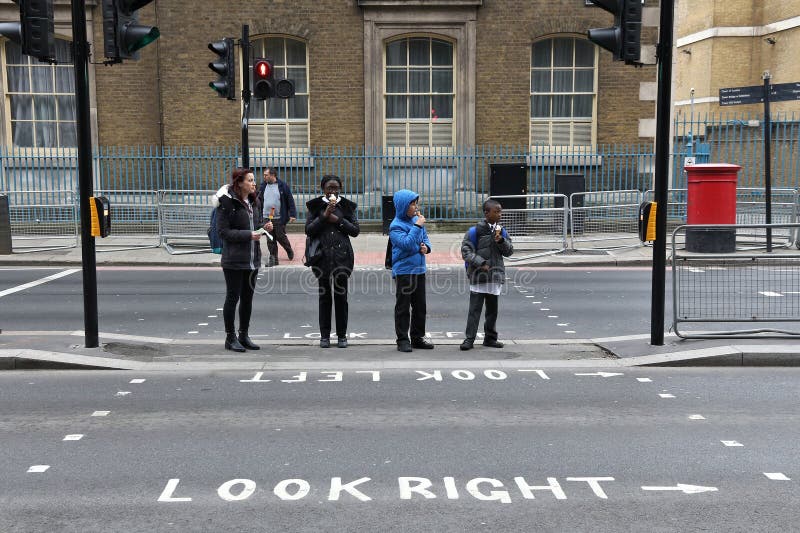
488,252
235,226
337,252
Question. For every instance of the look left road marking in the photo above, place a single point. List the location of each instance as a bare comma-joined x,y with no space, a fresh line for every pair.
42,281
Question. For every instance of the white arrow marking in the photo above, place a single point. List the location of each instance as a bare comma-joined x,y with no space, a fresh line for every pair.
686,489
601,374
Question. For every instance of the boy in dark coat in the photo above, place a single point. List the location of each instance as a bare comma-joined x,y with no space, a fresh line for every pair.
483,249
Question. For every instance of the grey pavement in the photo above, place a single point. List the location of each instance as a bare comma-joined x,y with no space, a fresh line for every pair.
64,349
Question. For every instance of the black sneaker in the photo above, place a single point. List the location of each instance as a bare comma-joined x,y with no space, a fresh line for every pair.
422,344
342,343
467,345
324,343
404,347
493,344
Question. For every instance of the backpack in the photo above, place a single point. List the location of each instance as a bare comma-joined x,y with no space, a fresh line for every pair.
387,261
214,239
472,233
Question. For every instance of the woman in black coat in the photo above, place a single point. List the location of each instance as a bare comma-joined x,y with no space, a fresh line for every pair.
238,218
332,219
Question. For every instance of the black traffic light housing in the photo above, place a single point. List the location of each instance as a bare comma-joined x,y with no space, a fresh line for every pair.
123,36
225,84
624,38
100,216
264,83
35,30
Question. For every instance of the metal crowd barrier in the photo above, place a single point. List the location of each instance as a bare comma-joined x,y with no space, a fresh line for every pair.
134,220
605,220
541,225
734,289
183,218
750,209
43,220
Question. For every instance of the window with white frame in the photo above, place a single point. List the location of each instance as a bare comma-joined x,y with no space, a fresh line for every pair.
563,92
40,98
278,122
418,92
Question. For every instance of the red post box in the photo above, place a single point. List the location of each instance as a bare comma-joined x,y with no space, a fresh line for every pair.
711,199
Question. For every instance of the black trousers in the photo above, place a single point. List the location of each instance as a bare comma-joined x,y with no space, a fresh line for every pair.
409,307
239,288
333,291
279,232
476,300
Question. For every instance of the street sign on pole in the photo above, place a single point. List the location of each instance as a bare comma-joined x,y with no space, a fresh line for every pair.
754,94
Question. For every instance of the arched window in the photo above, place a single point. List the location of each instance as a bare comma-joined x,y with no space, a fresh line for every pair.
419,92
40,98
279,123
563,92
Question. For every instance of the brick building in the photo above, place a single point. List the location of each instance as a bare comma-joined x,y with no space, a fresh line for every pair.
368,72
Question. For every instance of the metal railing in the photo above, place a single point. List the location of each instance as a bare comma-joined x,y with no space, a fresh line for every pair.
734,289
750,209
605,220
134,221
42,220
184,218
540,225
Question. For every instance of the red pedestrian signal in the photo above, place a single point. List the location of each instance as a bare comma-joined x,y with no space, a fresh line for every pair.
263,83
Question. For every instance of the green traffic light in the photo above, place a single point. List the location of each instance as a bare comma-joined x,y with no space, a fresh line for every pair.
137,37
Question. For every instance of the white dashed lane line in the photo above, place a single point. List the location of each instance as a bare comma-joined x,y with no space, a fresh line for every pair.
137,381
76,436
38,469
732,443
777,476
101,413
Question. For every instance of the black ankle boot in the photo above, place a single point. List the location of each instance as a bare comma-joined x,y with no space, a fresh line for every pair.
231,343
245,341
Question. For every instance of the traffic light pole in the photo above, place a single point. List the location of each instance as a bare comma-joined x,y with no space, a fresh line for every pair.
662,170
80,52
245,44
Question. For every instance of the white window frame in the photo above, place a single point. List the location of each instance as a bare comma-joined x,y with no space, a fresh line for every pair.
431,121
571,120
7,94
287,122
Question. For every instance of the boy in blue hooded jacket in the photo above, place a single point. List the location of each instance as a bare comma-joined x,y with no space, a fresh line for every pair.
410,245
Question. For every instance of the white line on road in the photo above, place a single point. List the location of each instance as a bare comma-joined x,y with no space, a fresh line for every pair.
644,380
19,288
38,469
666,395
776,476
137,381
770,293
101,413
696,417
731,443
123,393
76,436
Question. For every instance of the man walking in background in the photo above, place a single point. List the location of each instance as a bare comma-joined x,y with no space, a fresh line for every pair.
278,204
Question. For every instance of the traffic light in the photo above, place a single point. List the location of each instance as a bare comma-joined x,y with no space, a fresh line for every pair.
35,30
265,85
624,38
225,85
100,216
263,79
123,36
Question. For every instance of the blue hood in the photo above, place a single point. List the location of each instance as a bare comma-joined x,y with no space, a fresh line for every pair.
402,199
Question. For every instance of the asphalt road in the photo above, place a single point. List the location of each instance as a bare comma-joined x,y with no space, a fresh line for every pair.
551,303
644,449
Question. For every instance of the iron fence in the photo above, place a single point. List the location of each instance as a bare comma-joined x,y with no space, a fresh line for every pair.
42,220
